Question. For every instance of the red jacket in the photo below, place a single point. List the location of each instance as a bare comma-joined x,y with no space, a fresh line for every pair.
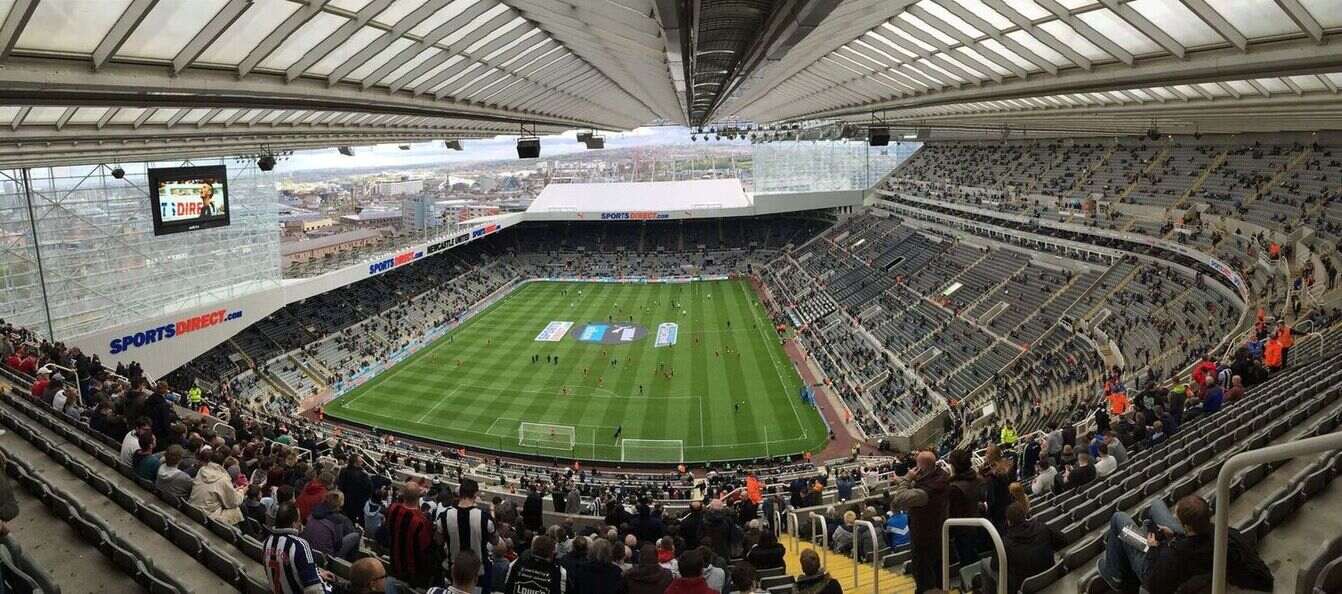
1203,371
313,493
690,586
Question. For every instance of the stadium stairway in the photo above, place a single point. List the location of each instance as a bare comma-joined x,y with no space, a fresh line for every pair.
135,523
841,567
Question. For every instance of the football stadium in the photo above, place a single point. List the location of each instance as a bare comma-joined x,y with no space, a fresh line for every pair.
670,296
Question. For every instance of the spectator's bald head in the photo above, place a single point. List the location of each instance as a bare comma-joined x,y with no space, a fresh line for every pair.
926,460
365,574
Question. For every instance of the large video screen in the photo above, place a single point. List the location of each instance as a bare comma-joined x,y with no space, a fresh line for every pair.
188,198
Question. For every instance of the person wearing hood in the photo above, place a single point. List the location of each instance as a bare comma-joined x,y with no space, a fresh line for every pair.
1030,548
647,577
313,493
213,491
329,530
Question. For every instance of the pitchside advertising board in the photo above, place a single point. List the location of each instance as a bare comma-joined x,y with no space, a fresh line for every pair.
608,333
188,198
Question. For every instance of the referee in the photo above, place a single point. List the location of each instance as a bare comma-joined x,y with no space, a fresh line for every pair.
467,527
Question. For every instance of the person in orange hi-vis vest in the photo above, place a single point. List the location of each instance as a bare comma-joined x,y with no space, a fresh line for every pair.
1118,403
754,490
1287,341
1272,354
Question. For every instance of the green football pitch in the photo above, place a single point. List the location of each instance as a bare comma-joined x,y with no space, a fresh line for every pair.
724,391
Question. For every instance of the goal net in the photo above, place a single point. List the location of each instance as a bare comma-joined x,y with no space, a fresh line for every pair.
546,436
652,450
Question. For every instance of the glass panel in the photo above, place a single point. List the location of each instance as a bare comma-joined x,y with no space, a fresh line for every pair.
892,32
193,116
302,40
1001,50
1188,91
1243,87
1142,94
1029,9
1327,12
1178,21
397,11
345,51
43,115
350,5
246,33
1255,18
1033,44
1213,90
378,60
162,116
169,27
885,46
1117,30
475,23
973,53
981,10
1075,4
972,71
7,114
450,82
70,26
1336,78
533,37
938,11
508,29
412,63
85,115
430,73
441,16
936,72
922,25
1070,38
223,115
1308,83
127,115
876,53
823,166
1274,85
5,7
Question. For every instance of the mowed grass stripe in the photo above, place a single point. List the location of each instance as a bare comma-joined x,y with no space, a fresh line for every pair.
481,402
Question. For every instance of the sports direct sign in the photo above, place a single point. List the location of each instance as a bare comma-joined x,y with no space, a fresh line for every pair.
169,331
640,215
554,331
396,261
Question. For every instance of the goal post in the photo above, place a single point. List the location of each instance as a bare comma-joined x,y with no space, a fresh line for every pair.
652,450
546,436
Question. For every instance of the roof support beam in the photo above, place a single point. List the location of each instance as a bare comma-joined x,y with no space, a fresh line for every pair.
969,42
177,117
144,117
1149,29
1303,19
107,116
944,48
19,117
397,31
978,23
209,115
65,117
335,39
1327,82
1218,22
1291,84
211,32
432,37
272,41
12,27
121,31
1229,89
1262,90
1088,32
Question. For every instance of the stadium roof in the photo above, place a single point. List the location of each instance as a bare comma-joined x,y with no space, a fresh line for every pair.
124,79
597,198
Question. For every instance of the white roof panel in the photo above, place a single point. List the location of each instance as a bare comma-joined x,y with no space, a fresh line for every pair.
641,196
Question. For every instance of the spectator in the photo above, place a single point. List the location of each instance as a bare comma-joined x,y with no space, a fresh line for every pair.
647,576
744,579
897,529
213,491
842,539
356,485
170,480
768,553
536,572
290,567
145,461
466,571
1236,390
253,512
532,509
598,574
964,497
369,576
1030,547
465,526
714,576
1043,478
925,495
1107,464
813,580
131,442
330,531
374,512
1177,548
691,580
1116,448
410,534
666,555
1081,474
1212,396
9,506
313,493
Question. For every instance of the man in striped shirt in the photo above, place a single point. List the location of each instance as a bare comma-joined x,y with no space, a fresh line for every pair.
411,535
465,527
290,567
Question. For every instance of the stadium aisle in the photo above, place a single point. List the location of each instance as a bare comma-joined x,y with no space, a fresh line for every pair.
840,567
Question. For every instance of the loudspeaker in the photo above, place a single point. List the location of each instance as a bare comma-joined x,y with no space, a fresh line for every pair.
583,137
346,150
878,136
596,142
528,148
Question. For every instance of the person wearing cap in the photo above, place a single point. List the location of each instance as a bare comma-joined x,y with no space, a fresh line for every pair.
39,387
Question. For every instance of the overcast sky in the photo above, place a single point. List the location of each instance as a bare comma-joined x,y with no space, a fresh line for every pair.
499,147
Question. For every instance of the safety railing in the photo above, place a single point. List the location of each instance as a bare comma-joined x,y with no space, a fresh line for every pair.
875,555
795,530
776,522
946,550
1241,461
820,538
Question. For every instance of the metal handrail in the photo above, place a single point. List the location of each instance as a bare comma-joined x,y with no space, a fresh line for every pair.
795,530
875,554
1240,461
946,550
823,537
776,523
